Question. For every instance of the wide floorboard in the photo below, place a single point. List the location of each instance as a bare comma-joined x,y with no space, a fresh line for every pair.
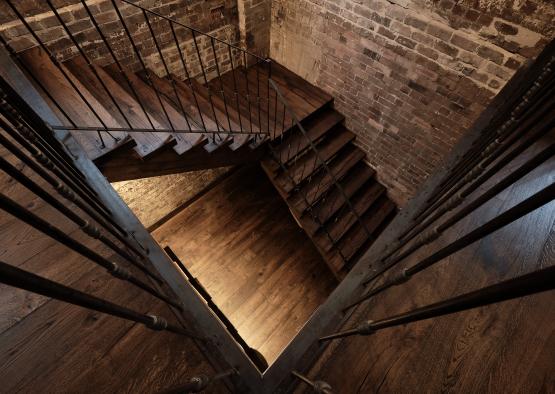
259,267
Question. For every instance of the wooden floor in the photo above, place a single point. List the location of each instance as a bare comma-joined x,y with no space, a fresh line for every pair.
503,348
48,346
260,268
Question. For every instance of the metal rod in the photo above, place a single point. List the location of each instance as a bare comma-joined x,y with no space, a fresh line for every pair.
55,61
143,130
16,210
141,61
89,63
16,277
201,382
425,238
116,231
172,82
191,28
318,386
43,157
117,62
187,75
247,85
221,83
530,204
235,91
89,229
535,282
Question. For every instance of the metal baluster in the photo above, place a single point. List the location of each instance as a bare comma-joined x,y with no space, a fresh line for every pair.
187,75
235,90
89,63
199,383
14,209
172,82
525,285
206,84
247,85
532,203
257,65
117,62
88,228
65,192
59,66
221,83
318,386
16,277
143,65
29,140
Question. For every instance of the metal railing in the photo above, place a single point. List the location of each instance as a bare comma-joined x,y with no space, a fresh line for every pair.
200,95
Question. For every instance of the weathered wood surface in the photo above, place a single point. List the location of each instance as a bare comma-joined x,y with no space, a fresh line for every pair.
49,346
256,263
506,348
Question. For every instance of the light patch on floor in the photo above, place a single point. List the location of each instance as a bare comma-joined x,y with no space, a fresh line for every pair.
153,198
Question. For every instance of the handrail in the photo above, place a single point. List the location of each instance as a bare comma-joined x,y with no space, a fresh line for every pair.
197,31
321,163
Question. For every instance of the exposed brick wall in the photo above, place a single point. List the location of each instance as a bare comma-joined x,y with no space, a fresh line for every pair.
410,75
217,17
254,25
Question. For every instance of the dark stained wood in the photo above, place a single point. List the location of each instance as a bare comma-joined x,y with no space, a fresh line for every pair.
308,163
174,120
121,166
38,63
260,269
50,346
334,200
339,166
296,143
506,347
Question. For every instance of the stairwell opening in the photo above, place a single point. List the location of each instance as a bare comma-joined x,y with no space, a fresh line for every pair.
235,238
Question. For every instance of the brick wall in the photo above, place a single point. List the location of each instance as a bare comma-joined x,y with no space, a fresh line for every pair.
218,17
410,75
254,25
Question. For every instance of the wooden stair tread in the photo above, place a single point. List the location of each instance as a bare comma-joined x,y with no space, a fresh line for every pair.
223,109
297,143
334,200
311,161
42,68
147,142
158,108
357,236
185,98
346,218
288,80
320,183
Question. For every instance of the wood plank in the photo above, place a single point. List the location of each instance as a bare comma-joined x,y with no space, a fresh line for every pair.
312,160
297,142
63,93
147,142
320,183
174,120
334,200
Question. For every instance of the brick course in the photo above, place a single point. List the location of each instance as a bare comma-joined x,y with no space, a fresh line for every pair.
409,76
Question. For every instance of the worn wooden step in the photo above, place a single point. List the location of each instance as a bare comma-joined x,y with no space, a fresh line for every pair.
147,142
303,167
226,114
346,218
335,200
297,142
61,91
322,181
357,236
159,108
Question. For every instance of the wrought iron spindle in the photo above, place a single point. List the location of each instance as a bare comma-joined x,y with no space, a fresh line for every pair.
530,204
525,285
16,277
16,210
219,76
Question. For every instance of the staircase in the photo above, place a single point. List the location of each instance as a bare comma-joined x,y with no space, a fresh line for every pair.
138,124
